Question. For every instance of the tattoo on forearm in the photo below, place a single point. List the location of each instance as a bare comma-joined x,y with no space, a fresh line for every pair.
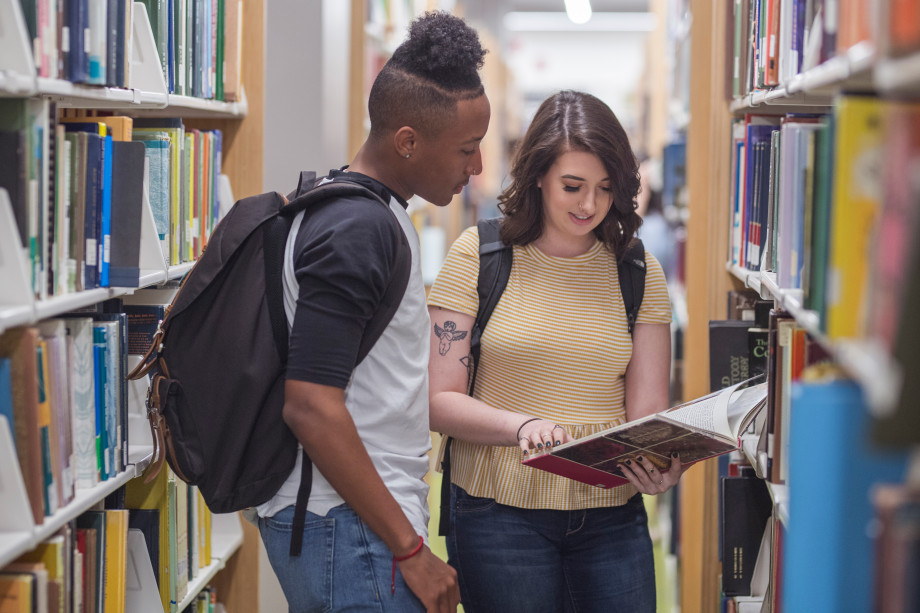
448,334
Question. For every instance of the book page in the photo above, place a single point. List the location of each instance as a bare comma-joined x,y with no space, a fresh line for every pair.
703,414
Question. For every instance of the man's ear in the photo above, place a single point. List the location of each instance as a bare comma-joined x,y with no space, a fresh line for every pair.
405,141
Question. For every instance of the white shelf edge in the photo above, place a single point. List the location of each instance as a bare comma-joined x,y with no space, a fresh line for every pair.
83,499
179,270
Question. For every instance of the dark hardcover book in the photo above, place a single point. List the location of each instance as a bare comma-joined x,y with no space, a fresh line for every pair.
728,352
111,42
127,211
143,321
148,522
78,23
746,507
13,176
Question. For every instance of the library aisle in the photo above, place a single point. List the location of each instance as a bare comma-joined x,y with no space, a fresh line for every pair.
779,143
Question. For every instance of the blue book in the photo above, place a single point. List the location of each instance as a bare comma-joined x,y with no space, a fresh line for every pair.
829,559
6,395
105,217
99,367
95,182
78,22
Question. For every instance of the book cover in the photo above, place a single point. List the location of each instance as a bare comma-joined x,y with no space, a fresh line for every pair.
857,192
126,215
746,507
20,346
703,428
100,384
116,558
148,522
80,331
116,373
93,522
728,352
50,486
829,554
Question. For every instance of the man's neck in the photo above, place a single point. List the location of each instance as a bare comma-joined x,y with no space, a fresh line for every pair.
370,162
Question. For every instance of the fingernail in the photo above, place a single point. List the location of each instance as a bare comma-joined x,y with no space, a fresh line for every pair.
628,462
539,445
639,459
525,452
558,443
674,454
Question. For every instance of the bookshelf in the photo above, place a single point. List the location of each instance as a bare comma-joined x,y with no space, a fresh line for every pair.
860,65
234,563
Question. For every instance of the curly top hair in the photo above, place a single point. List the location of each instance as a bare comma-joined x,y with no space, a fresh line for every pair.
419,86
571,121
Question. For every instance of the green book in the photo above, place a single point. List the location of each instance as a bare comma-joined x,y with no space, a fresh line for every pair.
816,294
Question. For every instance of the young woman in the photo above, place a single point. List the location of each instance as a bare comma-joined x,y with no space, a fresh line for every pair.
557,363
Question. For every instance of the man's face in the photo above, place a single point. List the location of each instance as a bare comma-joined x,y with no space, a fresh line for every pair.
446,161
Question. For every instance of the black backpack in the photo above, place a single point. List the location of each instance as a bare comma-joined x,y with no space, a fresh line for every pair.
495,259
218,359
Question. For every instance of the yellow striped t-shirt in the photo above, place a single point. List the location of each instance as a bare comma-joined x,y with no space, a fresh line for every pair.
556,347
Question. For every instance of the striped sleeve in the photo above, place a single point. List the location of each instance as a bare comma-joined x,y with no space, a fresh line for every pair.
455,287
656,304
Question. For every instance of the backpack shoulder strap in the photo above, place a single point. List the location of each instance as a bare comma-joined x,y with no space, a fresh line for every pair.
495,259
631,271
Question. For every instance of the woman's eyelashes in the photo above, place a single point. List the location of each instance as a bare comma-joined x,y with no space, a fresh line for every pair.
575,188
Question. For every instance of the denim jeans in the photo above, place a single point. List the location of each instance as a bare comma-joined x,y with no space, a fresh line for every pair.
534,560
343,566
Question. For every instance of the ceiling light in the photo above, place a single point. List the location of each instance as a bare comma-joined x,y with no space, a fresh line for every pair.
518,21
579,11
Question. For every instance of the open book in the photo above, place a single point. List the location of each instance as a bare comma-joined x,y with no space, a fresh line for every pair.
699,429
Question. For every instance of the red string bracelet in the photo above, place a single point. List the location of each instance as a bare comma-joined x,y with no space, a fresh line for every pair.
418,548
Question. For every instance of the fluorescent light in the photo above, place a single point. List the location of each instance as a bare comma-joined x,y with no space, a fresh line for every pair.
579,11
535,21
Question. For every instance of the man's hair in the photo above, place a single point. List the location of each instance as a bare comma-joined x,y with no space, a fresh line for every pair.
571,121
426,76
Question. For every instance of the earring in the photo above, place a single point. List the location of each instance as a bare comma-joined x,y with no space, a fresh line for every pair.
407,155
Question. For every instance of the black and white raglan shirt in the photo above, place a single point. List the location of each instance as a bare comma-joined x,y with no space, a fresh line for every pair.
338,263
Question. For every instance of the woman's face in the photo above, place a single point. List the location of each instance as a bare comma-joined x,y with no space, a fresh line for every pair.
576,197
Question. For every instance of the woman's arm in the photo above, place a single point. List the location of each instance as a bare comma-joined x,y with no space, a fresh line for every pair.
453,412
647,391
649,372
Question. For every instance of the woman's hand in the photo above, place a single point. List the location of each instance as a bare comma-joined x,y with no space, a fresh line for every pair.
537,433
647,478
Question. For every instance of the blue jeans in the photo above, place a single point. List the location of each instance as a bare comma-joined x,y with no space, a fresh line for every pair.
343,566
534,560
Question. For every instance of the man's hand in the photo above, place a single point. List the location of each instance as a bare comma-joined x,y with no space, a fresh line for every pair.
432,580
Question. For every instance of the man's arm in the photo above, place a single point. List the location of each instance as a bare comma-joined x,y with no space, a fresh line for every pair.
319,419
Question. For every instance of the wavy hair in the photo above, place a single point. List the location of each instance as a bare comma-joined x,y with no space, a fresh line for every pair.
572,121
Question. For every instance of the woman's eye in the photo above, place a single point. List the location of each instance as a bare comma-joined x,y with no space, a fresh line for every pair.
607,189
468,152
570,188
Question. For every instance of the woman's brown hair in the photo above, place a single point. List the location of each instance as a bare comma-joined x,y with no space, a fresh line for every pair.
571,121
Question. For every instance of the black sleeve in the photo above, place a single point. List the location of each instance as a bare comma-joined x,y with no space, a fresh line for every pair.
344,255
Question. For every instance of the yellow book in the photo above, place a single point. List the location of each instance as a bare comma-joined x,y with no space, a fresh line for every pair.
204,513
116,559
50,554
857,193
16,593
155,495
46,431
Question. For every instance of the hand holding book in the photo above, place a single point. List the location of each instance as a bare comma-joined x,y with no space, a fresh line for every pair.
703,428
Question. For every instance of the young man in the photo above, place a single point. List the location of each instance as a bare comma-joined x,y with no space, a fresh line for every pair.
365,426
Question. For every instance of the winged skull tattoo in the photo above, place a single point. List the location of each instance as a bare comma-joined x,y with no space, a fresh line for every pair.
448,334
